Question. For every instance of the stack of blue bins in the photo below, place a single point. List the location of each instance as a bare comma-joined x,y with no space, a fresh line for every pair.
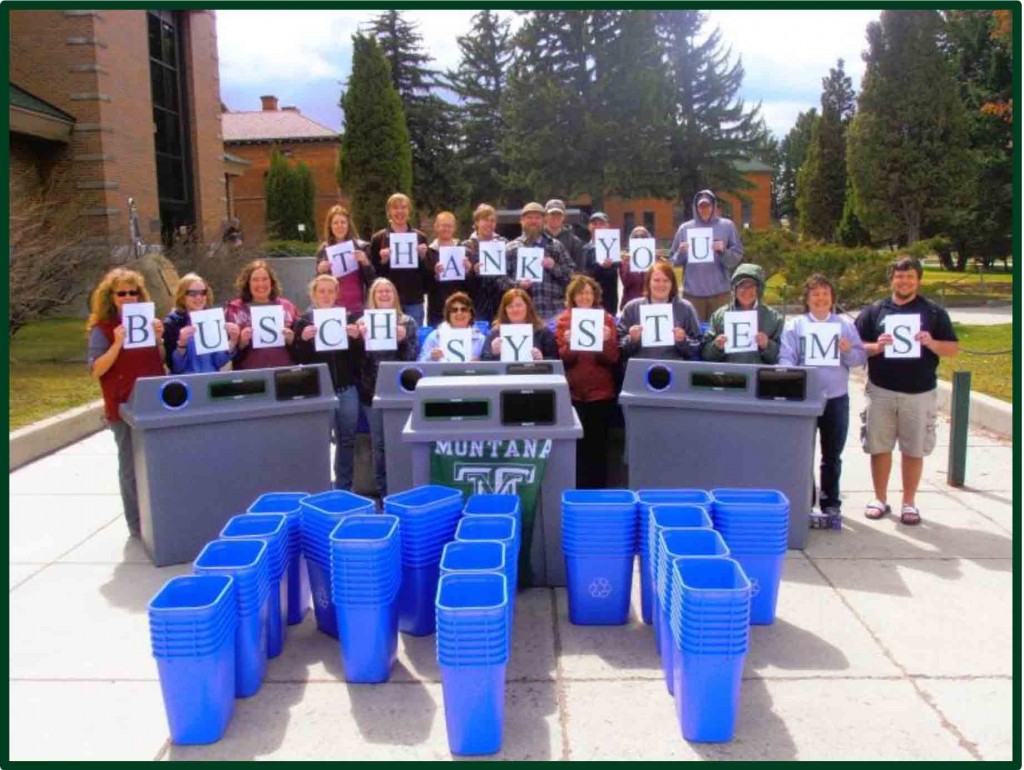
472,653
647,499
668,516
320,515
673,544
710,618
366,571
755,524
296,577
505,530
192,623
247,562
480,556
428,516
272,529
599,537
491,504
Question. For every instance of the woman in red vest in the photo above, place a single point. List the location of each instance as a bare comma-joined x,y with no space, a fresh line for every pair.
117,369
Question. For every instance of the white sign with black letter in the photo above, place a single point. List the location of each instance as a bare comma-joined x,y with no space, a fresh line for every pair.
492,258
210,336
904,329
381,329
453,263
641,254
403,250
267,326
608,244
342,258
656,320
699,240
456,344
137,319
740,331
587,331
331,332
516,342
821,344
529,264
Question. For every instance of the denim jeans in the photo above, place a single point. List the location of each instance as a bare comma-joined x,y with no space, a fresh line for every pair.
415,312
833,426
346,418
126,475
375,419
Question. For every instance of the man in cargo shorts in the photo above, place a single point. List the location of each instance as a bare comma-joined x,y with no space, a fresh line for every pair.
901,391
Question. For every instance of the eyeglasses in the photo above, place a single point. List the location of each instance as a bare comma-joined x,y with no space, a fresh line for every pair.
459,309
128,293
196,292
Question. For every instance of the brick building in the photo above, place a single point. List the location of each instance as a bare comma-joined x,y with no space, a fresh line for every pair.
118,104
251,136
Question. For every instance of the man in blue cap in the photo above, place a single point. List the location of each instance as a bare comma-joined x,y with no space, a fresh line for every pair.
604,271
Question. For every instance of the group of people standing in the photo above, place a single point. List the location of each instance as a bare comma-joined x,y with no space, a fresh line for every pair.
573,276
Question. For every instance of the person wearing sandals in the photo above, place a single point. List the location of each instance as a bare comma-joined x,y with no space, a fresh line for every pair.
819,303
901,392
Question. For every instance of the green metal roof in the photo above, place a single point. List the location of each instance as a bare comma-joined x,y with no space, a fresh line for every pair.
26,101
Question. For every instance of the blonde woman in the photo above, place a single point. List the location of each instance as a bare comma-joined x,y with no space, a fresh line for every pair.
413,283
117,369
191,295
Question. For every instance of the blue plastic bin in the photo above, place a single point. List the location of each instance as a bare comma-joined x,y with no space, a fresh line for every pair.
599,589
296,591
707,696
474,708
369,640
669,508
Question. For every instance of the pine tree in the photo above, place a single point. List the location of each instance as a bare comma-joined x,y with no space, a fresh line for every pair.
850,231
821,181
907,149
376,156
430,119
793,152
712,126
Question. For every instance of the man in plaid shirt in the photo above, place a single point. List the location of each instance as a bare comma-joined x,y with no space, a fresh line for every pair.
548,295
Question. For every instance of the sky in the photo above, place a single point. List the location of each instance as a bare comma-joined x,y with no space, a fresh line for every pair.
304,57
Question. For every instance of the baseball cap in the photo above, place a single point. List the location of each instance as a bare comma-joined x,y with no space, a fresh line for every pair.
599,215
555,205
533,208
705,197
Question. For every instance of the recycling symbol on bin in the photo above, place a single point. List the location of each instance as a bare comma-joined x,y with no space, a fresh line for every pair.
600,588
755,587
323,598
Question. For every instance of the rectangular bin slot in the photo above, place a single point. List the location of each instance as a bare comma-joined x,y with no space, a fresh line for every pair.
538,368
290,384
467,372
456,409
784,384
528,407
718,380
221,389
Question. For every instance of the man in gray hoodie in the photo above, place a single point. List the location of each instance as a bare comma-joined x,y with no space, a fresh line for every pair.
706,285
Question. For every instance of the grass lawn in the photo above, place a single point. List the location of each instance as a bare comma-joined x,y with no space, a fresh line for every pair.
992,375
48,372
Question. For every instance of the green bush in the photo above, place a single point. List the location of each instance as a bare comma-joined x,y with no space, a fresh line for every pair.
291,248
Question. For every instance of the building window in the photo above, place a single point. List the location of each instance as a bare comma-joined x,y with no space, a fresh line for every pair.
170,122
649,222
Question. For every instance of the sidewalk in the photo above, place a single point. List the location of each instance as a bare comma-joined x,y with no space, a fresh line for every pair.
891,643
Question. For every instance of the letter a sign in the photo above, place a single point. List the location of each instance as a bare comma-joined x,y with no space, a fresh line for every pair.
700,239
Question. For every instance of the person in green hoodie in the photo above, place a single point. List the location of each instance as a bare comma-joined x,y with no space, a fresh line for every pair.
747,287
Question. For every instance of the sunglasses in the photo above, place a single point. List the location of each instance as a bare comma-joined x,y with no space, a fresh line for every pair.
129,293
195,292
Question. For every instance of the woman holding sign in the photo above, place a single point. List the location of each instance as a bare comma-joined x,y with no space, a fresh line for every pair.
343,255
821,338
589,348
193,295
439,344
516,307
452,270
388,335
399,252
264,317
485,250
745,331
320,340
117,367
660,324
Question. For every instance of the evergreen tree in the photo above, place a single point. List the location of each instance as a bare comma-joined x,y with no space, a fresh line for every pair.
430,119
821,181
712,127
376,156
907,148
479,82
769,151
850,231
793,152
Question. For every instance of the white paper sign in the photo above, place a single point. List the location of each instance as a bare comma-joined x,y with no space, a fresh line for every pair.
492,258
529,264
456,344
453,263
607,244
656,320
641,254
342,259
267,326
330,323
137,319
403,250
699,240
516,342
587,330
381,329
904,328
740,331
821,344
211,335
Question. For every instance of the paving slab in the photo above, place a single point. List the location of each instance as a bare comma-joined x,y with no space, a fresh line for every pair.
83,721
110,545
867,720
935,617
400,722
44,527
79,475
981,709
22,572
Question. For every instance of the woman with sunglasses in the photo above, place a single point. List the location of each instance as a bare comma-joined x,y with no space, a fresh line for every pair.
258,285
191,295
117,369
458,314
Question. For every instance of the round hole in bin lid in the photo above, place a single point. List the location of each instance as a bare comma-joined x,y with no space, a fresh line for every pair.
408,379
174,394
659,378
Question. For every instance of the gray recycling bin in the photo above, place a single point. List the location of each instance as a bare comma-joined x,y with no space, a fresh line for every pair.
396,392
513,434
207,445
704,425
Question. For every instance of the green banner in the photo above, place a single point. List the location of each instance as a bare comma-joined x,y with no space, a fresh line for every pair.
507,467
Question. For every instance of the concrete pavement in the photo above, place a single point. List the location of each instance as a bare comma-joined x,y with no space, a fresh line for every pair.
891,642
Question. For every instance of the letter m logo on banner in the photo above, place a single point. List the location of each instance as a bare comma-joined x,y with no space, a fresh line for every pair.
502,480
